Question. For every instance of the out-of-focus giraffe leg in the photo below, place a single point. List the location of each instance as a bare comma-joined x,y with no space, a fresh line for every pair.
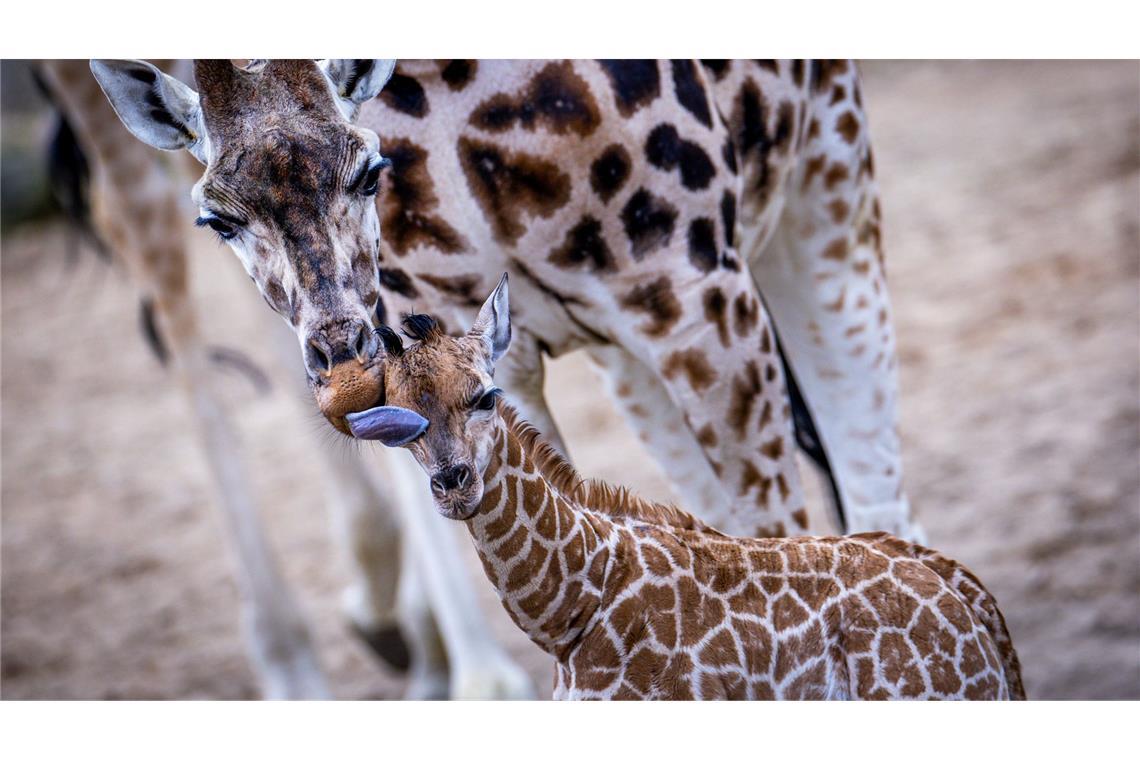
135,210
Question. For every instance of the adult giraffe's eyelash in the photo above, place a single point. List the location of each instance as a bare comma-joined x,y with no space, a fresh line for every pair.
223,228
367,182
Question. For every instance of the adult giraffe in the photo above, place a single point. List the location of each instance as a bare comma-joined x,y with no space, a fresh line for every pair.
637,203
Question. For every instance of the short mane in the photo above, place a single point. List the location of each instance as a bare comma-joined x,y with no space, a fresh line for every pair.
596,495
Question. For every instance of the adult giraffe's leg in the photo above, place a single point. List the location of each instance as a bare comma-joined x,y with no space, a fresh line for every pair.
721,369
136,211
480,669
385,600
660,425
521,373
822,276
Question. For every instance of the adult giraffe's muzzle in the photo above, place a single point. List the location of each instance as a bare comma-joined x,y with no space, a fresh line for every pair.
346,369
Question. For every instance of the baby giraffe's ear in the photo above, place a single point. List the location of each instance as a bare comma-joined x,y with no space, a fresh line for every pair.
493,325
391,425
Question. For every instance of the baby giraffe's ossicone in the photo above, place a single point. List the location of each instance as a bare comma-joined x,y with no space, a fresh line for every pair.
643,601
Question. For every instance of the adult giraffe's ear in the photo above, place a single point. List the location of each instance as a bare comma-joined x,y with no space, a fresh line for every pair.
493,325
357,80
156,108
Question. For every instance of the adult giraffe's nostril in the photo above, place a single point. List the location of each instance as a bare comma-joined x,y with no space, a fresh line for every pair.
358,346
317,357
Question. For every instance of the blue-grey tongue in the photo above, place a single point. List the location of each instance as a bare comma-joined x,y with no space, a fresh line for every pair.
391,425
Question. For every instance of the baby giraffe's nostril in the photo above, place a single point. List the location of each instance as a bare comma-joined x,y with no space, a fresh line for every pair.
445,480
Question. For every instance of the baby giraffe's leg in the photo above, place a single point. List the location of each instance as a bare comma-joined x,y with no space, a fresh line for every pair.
822,276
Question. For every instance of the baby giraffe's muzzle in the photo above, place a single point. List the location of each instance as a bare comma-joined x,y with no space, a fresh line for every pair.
450,478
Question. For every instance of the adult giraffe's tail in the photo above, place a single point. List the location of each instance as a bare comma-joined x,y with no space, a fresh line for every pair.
806,433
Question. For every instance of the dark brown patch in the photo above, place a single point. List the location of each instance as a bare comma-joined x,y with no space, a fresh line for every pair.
745,389
798,72
636,83
657,300
609,171
508,183
584,247
397,281
848,127
690,92
666,150
716,311
406,95
556,100
408,205
459,73
718,66
836,173
693,364
746,314
648,222
728,217
749,126
836,250
702,244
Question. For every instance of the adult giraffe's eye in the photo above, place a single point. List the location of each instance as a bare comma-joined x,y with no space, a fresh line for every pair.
225,229
369,179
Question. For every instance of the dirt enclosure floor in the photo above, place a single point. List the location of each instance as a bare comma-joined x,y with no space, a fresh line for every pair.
1011,197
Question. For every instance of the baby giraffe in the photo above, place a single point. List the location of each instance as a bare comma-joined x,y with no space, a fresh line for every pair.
637,600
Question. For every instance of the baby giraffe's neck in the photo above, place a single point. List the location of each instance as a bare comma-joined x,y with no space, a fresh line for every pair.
548,558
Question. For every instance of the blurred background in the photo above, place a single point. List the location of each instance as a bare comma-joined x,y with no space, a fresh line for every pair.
1011,196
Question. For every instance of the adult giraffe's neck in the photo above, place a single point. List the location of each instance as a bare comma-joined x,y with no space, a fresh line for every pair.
547,558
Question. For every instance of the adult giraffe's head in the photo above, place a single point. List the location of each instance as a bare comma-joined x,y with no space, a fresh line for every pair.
290,185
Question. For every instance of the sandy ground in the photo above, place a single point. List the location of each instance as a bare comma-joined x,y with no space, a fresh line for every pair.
1012,199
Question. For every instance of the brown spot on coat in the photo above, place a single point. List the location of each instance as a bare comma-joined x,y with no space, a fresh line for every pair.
693,364
556,99
848,127
716,308
408,205
584,247
508,184
657,300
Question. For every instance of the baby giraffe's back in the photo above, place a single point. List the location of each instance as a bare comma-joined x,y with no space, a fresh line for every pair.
705,616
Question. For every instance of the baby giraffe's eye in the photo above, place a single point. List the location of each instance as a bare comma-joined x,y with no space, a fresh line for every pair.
486,402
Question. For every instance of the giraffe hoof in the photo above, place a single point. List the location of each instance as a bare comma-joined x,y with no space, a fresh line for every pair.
388,643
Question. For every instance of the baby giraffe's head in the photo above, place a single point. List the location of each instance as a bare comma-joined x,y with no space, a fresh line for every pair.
440,403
